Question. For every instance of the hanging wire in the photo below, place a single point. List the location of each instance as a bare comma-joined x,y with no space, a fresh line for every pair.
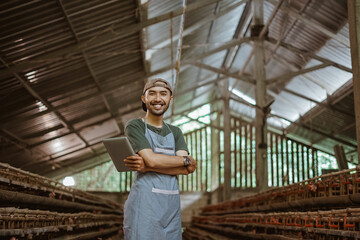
178,54
172,49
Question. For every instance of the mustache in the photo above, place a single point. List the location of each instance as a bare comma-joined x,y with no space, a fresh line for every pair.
157,103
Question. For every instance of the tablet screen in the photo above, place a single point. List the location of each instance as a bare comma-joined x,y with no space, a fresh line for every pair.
119,148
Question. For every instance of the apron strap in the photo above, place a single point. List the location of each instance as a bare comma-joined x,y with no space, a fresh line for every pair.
164,123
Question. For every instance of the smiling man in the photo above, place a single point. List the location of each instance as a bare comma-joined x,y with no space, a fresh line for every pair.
152,210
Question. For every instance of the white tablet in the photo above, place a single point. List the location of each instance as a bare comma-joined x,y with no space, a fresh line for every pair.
119,148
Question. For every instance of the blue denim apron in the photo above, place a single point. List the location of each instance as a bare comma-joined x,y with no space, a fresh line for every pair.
152,210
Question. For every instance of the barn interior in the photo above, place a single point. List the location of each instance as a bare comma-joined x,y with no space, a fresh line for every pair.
266,92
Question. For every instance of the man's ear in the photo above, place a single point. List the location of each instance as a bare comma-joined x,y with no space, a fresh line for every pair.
171,99
143,98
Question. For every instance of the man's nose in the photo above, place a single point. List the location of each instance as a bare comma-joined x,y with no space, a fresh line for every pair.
157,97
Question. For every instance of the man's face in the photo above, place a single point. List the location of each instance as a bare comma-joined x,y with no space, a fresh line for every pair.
157,100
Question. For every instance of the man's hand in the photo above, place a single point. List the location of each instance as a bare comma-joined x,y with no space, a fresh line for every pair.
192,167
135,163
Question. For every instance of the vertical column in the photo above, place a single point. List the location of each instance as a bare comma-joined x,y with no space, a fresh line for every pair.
215,154
227,142
260,96
354,29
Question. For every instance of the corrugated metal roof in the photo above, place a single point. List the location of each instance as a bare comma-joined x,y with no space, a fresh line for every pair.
71,99
80,67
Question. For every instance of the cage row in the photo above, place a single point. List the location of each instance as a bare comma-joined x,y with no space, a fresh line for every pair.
338,184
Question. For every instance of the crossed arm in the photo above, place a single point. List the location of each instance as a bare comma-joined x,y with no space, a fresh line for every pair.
148,161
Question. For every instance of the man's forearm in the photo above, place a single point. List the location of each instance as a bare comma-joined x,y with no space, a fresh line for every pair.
169,171
156,160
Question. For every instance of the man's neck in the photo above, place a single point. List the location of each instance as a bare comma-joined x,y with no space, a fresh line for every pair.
156,121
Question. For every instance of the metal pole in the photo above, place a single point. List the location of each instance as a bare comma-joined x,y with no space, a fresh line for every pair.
227,142
354,32
215,151
260,96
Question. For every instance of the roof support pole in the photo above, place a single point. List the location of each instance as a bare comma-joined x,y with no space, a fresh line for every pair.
215,155
354,29
227,143
260,95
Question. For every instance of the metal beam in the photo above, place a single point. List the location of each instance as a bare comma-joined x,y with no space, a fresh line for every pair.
295,69
11,122
300,124
225,46
191,61
190,29
212,24
216,11
48,105
88,115
234,75
285,77
53,160
97,84
338,131
271,18
225,72
61,5
92,73
331,136
100,39
197,120
84,10
346,90
194,98
199,85
80,166
262,34
287,32
36,28
354,29
18,6
194,108
100,122
332,108
240,33
314,25
330,101
20,143
284,100
307,53
69,133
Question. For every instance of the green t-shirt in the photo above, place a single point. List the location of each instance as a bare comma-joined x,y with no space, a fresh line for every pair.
135,131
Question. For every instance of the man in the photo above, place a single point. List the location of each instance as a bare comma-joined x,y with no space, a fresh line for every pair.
152,210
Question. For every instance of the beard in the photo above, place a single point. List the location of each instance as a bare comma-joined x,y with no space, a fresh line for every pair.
157,112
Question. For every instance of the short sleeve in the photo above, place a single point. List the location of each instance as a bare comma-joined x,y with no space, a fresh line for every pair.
136,134
180,143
